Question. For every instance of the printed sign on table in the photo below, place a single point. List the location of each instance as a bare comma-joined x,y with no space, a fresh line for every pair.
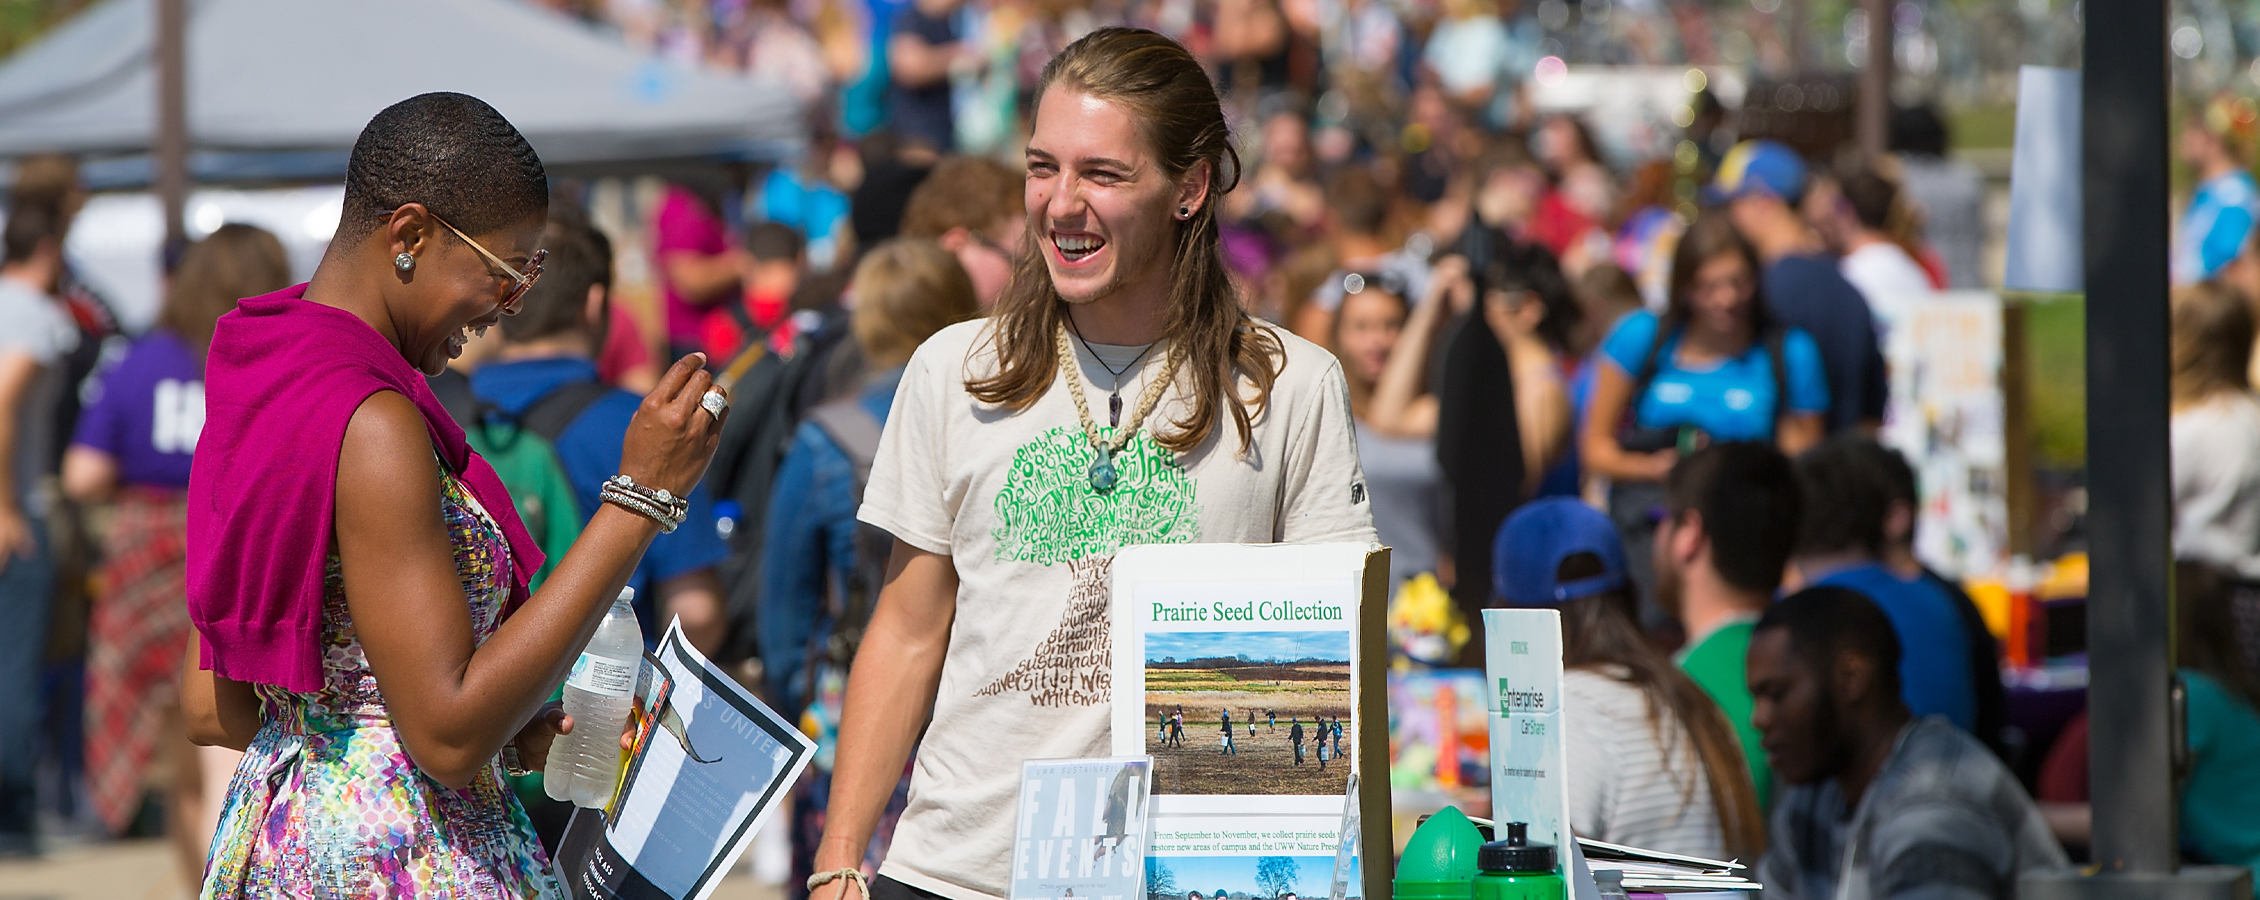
1238,669
1529,777
1082,831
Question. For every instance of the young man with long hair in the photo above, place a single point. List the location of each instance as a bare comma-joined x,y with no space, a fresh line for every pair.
1118,395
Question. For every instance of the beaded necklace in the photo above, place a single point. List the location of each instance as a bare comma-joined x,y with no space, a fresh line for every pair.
1102,471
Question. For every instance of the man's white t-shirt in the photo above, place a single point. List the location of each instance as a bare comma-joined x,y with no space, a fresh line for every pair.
2216,477
1007,495
37,327
1883,272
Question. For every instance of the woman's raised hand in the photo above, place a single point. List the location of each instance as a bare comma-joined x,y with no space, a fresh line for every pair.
672,438
1449,280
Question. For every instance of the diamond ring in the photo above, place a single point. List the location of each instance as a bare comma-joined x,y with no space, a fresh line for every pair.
714,403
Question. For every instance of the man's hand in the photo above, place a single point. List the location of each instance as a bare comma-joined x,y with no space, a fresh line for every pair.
16,539
832,856
1658,465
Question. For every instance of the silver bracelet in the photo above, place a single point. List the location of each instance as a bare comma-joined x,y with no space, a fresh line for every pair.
668,519
659,497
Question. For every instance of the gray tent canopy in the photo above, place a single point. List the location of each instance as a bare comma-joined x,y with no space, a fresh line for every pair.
295,80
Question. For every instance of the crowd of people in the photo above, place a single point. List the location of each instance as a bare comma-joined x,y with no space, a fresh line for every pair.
1642,391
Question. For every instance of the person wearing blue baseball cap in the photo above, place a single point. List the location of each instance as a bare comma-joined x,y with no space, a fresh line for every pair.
1760,183
1658,764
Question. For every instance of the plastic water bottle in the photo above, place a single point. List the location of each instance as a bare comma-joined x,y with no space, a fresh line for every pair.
584,766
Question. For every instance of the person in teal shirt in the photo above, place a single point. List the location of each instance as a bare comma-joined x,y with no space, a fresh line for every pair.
1729,399
2218,220
2217,821
1716,367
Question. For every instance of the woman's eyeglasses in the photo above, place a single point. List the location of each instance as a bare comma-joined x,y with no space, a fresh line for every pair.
522,279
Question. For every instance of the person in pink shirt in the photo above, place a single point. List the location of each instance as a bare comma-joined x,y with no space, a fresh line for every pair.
625,361
697,266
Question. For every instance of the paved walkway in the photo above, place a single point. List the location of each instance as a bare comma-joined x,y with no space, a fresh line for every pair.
125,870
144,870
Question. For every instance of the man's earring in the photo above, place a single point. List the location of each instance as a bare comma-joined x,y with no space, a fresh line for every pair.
1184,212
405,263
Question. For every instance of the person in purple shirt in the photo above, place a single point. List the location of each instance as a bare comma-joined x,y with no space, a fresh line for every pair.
132,448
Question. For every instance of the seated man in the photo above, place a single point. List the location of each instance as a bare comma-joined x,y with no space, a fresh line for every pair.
1891,469
1874,802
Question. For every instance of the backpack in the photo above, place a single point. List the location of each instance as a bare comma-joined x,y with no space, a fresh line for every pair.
767,399
523,451
856,431
1635,505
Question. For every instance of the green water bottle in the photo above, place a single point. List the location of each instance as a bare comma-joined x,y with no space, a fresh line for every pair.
1439,859
1516,869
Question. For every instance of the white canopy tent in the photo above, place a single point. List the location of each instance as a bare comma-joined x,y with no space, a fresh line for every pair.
279,89
293,82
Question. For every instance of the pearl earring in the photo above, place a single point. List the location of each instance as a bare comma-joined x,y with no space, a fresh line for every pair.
404,263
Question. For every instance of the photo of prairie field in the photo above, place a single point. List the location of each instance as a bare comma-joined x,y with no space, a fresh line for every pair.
1268,682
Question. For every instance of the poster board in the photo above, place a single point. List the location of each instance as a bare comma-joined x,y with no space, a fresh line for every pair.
1529,760
1276,639
1948,415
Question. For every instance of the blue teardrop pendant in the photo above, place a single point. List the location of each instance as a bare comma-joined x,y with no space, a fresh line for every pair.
1102,471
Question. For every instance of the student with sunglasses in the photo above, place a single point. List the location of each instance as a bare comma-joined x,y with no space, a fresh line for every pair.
359,577
1383,339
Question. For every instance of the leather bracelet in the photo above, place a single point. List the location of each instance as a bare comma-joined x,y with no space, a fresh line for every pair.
820,879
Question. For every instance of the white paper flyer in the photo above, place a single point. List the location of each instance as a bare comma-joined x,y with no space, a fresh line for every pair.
1529,780
710,762
1082,830
1236,669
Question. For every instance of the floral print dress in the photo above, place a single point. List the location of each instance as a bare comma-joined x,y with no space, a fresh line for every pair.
327,802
